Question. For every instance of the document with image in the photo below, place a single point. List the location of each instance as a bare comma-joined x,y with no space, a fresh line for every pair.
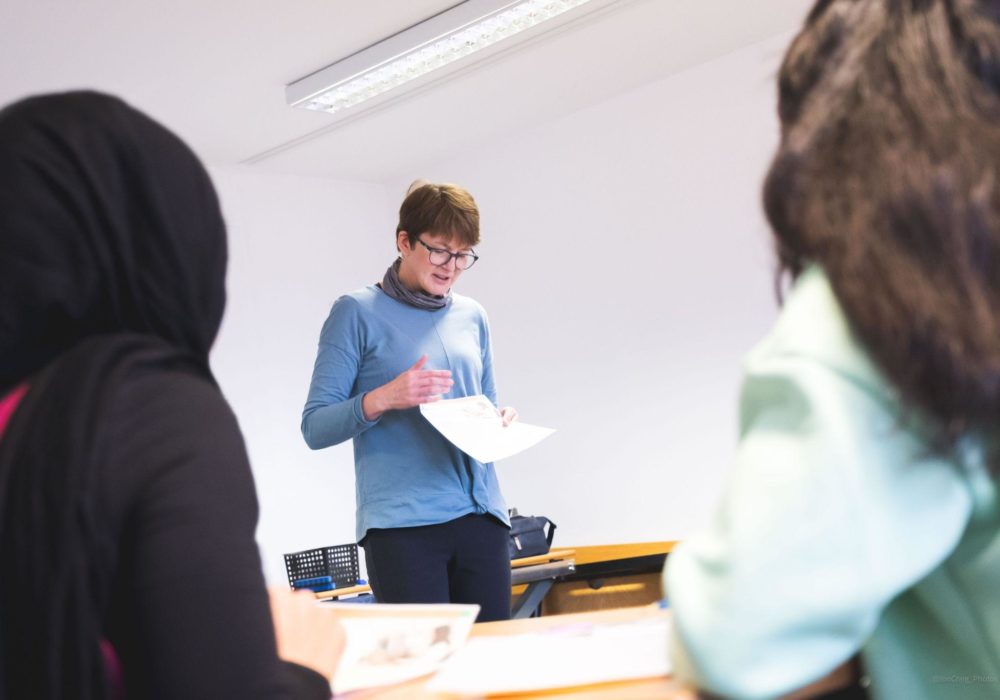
473,425
394,643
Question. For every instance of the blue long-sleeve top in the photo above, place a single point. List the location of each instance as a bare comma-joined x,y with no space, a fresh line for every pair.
406,473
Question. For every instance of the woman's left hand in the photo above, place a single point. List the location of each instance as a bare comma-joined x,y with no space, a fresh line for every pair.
508,415
306,633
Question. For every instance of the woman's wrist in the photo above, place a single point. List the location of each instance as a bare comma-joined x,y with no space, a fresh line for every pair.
371,405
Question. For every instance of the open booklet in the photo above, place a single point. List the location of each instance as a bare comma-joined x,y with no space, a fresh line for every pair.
473,425
389,644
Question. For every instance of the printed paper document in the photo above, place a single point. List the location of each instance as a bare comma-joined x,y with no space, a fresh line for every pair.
393,643
576,654
473,425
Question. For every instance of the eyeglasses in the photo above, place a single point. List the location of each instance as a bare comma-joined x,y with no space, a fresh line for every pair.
441,257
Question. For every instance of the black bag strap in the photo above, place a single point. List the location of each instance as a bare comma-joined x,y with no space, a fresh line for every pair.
512,512
552,530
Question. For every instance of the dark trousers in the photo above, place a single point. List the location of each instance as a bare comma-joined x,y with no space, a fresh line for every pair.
460,561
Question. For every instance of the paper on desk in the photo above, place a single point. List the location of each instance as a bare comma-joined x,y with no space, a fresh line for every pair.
394,643
473,425
562,657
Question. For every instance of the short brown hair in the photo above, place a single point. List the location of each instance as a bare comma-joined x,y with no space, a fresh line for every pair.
439,208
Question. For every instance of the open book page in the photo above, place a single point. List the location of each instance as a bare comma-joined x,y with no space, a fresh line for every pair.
575,654
389,644
473,425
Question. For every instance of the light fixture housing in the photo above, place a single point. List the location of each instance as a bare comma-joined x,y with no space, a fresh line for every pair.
432,49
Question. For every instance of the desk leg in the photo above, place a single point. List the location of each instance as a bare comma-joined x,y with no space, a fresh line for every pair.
528,602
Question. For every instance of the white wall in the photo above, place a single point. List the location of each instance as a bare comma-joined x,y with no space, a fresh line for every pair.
626,270
295,245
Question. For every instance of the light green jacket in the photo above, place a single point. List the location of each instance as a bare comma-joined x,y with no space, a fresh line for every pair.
839,531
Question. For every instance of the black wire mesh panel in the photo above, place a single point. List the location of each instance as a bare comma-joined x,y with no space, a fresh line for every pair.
339,562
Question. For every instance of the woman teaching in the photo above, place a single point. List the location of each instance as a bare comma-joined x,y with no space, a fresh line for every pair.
431,519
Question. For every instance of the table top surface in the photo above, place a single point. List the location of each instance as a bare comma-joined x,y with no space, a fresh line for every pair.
612,552
662,688
554,555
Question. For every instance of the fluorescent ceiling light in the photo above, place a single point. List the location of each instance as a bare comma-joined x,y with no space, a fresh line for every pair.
439,42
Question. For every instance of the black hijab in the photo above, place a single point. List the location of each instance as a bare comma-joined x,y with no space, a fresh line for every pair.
108,223
112,260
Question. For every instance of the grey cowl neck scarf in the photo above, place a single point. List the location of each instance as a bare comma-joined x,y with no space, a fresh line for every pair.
392,286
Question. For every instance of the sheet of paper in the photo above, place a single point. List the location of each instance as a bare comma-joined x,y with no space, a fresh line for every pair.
562,657
473,425
389,644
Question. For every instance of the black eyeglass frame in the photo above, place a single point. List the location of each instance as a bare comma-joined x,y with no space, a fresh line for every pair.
456,256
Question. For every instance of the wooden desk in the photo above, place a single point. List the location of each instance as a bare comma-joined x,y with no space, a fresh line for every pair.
532,578
575,579
648,689
610,576
605,553
337,592
554,555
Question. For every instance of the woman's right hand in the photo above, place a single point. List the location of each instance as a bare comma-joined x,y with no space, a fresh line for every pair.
412,388
306,633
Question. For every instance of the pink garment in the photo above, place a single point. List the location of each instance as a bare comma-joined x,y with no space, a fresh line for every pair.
112,664
113,670
9,403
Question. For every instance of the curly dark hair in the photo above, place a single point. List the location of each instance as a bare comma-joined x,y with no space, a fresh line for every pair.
887,177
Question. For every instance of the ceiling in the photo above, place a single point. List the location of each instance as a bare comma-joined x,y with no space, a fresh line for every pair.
215,70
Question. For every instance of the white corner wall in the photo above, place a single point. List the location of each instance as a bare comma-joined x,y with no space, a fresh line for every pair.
295,245
626,270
